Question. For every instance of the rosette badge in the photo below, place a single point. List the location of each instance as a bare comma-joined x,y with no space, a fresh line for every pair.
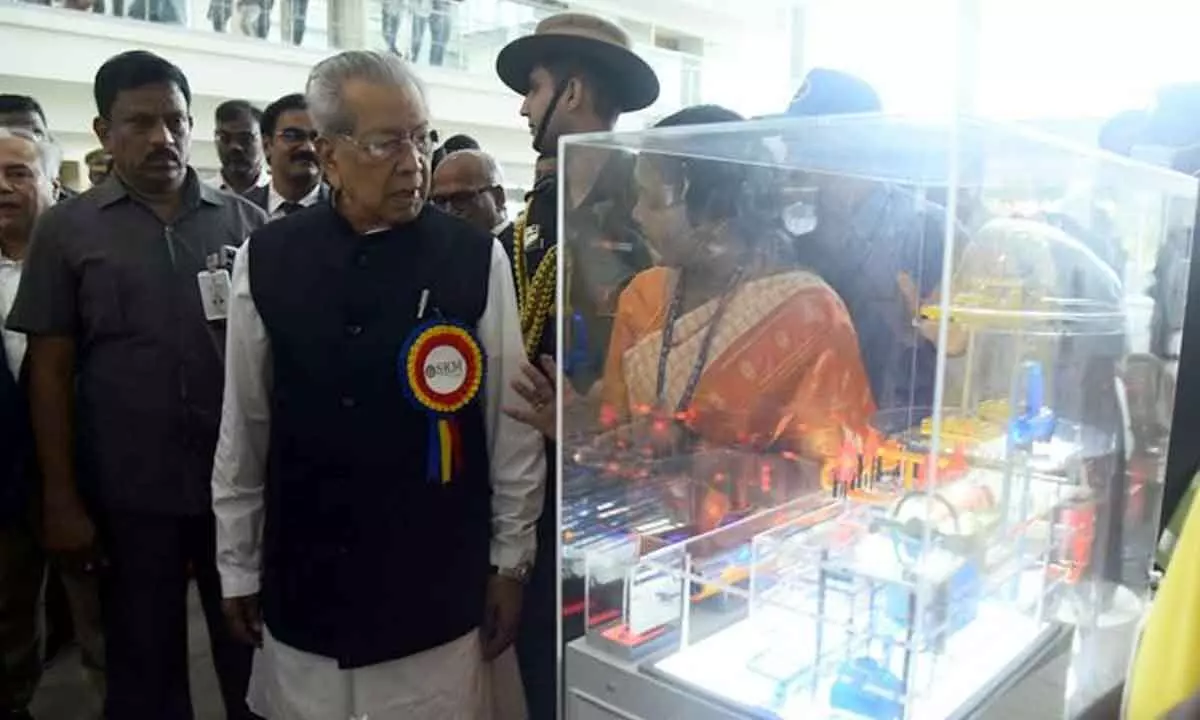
441,365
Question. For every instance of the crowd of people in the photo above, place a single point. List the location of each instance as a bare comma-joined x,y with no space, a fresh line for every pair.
203,387
270,382
427,23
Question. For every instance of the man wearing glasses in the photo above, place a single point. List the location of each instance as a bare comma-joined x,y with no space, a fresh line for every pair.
468,184
376,508
288,138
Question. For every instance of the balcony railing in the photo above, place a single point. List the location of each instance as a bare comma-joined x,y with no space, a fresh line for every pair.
460,35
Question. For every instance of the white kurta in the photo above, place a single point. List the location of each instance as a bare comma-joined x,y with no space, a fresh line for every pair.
443,683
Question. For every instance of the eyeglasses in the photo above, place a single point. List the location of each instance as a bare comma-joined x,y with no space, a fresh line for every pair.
295,136
383,149
462,198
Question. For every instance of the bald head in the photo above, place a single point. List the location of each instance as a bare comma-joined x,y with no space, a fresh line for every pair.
475,167
468,183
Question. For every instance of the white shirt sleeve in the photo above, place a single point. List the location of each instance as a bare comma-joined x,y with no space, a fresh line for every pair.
239,467
517,451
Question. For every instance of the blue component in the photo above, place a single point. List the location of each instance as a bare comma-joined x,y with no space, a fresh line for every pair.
1036,422
949,608
866,688
577,359
1034,385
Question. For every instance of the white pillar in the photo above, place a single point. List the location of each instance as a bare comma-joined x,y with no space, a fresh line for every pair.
968,41
349,25
798,16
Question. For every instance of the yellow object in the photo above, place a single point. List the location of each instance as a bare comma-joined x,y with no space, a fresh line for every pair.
961,429
1166,664
535,296
995,412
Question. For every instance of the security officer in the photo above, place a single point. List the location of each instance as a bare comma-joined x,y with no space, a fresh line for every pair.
122,300
577,74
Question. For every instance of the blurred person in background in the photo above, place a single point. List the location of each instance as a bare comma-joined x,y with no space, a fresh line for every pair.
434,15
240,148
458,142
26,113
453,143
71,601
157,11
219,12
28,168
392,17
1170,136
883,291
99,165
254,17
125,375
289,139
468,184
293,21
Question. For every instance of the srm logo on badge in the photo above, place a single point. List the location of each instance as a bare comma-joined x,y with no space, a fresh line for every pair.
445,370
448,368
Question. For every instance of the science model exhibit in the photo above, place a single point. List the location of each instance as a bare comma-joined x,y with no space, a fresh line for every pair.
868,418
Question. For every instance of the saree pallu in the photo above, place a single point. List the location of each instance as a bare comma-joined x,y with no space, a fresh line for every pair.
783,373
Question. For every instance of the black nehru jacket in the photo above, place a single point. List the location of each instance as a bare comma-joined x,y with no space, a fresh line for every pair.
365,559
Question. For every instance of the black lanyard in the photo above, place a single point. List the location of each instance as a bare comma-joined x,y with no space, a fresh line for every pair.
668,337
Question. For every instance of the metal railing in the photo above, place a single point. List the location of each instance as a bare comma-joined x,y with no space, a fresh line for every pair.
455,34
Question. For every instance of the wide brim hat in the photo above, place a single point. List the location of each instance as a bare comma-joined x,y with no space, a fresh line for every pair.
596,41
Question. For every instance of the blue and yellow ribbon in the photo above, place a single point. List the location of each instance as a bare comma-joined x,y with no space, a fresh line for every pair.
450,352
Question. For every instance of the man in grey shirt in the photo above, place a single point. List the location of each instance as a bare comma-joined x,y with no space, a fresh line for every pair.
122,299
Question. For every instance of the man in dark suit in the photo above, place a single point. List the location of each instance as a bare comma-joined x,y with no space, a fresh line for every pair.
27,169
288,136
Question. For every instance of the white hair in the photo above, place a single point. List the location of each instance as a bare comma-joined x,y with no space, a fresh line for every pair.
326,103
49,154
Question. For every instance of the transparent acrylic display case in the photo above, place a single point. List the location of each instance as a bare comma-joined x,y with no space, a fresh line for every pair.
867,417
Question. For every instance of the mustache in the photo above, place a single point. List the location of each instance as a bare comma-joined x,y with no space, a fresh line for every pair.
162,156
305,156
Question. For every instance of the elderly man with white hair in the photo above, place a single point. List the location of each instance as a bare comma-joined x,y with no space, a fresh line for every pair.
376,508
28,166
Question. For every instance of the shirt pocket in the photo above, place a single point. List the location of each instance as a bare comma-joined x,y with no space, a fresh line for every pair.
102,311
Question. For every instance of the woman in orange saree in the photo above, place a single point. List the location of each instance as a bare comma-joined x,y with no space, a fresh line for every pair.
723,347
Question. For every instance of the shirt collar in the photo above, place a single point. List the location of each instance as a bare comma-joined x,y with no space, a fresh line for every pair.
275,200
114,190
219,182
501,227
